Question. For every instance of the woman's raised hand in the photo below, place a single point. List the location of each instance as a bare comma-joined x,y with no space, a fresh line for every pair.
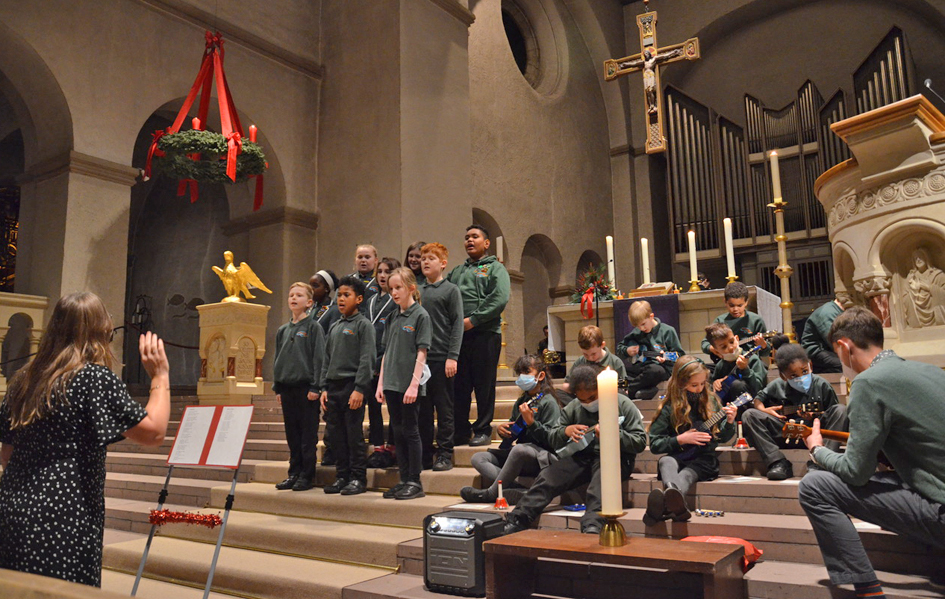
153,357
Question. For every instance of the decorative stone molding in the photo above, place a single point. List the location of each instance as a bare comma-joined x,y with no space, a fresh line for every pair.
848,206
876,290
560,291
276,216
516,276
456,10
82,164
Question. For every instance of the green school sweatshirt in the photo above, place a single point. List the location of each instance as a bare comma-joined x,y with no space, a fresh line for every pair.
485,286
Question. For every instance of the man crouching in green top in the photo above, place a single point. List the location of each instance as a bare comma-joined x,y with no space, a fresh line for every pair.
895,406
579,418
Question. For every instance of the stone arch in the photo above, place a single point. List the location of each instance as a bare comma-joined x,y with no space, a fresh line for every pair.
844,260
588,258
481,217
541,271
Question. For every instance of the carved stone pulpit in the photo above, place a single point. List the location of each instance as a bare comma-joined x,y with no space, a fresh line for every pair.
232,346
886,222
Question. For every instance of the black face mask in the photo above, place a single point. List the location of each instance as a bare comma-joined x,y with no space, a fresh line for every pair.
693,397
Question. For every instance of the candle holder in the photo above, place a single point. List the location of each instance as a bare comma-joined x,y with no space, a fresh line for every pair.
612,534
731,279
694,286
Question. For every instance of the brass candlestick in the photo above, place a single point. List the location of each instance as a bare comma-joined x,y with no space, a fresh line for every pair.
612,534
694,286
731,279
784,270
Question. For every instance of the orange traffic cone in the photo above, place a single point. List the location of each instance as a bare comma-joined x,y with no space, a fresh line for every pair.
501,503
741,443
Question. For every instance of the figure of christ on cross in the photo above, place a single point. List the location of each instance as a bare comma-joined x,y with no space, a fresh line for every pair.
649,60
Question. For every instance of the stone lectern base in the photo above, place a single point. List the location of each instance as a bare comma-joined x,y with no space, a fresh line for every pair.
232,345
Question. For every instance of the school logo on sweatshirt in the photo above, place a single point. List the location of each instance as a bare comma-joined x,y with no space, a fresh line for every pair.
383,320
301,333
482,270
348,331
408,328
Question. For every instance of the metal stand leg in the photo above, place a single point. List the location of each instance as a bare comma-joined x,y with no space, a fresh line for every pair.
162,497
216,552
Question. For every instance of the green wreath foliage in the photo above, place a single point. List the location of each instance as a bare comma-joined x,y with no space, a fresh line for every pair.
211,167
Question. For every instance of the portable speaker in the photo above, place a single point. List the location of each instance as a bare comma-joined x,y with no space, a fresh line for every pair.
452,551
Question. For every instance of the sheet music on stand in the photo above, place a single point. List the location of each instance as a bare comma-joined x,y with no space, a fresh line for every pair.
209,437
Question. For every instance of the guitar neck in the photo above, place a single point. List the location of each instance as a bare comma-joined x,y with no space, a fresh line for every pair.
835,435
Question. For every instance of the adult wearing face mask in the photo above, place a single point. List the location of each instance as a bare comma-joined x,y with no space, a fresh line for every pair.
895,406
579,418
793,393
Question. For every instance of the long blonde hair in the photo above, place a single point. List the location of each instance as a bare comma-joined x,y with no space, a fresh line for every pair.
78,333
408,279
686,367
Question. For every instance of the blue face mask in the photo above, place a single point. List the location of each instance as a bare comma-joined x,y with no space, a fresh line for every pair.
526,382
802,383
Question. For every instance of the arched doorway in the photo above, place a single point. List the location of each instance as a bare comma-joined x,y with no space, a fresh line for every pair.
541,268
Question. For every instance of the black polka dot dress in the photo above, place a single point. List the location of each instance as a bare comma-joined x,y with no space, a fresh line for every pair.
52,493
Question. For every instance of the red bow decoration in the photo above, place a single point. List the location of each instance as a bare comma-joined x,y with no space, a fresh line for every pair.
587,303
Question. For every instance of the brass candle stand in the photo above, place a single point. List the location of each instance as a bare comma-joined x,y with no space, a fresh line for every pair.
731,279
612,534
694,286
784,270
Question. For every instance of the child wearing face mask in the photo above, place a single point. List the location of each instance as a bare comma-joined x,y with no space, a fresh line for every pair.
534,450
673,432
796,386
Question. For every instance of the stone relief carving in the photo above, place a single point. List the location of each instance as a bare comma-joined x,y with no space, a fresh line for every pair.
923,296
901,191
876,291
216,359
245,360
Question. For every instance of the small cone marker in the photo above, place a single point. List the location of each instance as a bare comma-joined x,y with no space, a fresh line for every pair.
741,443
501,503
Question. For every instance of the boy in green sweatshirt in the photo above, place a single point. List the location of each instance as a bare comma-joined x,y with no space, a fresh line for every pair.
814,338
484,286
740,319
300,348
650,335
749,374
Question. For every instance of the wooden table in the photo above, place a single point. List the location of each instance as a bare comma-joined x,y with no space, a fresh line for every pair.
510,560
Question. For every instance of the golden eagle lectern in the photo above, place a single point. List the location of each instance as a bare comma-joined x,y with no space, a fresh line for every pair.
238,280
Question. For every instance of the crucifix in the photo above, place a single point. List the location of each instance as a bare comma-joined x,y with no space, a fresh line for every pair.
649,60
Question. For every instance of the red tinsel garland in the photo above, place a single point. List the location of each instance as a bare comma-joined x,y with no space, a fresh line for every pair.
162,517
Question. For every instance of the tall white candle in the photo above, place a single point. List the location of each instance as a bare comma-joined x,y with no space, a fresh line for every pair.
610,260
611,497
645,251
499,249
729,247
693,270
775,176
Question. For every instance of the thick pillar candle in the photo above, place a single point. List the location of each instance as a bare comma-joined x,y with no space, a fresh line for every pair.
252,133
611,496
729,247
645,252
775,176
693,269
610,260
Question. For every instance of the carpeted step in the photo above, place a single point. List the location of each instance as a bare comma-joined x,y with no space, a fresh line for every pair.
784,580
154,464
444,483
735,462
745,494
120,582
367,508
183,491
253,573
372,545
782,537
132,515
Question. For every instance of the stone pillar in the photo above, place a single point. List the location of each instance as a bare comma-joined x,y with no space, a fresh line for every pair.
232,346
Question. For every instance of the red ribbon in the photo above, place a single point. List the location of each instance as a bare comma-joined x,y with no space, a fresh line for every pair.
182,189
587,303
153,151
234,142
258,196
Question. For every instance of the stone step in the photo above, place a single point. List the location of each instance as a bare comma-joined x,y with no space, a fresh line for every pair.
367,544
743,494
239,571
783,538
367,508
441,483
132,515
120,582
154,464
182,491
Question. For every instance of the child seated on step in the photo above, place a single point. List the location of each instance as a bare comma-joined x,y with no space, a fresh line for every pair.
350,351
740,319
403,373
649,336
593,351
679,431
527,445
582,467
737,372
300,349
379,310
797,394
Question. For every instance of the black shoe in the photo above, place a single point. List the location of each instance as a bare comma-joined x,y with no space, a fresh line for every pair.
648,393
336,486
480,440
443,463
591,529
655,506
355,487
780,470
410,491
302,484
513,525
392,492
474,495
287,483
676,505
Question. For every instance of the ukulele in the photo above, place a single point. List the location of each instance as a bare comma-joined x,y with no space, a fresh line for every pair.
517,430
728,381
705,426
812,407
768,336
644,355
796,431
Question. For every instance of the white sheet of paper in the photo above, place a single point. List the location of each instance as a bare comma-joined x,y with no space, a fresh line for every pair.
866,526
230,436
191,435
565,513
471,506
